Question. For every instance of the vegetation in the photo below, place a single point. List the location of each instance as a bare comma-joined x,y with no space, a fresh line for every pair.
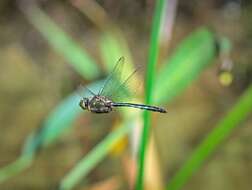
192,56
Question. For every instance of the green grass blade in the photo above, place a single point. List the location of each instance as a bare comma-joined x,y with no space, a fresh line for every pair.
224,128
16,167
190,58
62,43
152,61
94,157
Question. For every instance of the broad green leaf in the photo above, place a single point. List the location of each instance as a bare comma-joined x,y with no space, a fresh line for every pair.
190,58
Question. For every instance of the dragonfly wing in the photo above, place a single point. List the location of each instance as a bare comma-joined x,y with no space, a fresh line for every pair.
84,90
124,90
113,81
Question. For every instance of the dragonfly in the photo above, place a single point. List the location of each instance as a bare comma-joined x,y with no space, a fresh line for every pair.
103,102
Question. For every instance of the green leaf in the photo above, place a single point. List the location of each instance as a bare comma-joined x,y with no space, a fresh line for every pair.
62,43
223,129
23,162
191,57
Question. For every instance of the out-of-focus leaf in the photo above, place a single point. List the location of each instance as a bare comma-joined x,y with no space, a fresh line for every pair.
95,156
95,13
224,128
61,42
190,58
113,46
23,162
60,119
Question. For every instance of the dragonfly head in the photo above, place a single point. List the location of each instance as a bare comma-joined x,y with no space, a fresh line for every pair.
84,103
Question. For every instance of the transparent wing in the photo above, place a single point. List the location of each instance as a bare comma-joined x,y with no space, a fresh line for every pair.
125,90
84,91
113,81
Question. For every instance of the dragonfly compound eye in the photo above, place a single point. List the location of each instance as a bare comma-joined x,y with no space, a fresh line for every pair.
84,103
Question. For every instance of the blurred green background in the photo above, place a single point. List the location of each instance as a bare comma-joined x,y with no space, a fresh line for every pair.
202,52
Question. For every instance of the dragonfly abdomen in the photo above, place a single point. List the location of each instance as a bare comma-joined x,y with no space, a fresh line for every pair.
140,106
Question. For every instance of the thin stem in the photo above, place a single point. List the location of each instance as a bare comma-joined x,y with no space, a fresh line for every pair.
152,61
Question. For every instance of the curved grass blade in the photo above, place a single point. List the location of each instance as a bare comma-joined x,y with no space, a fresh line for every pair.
191,57
60,119
61,42
23,162
223,129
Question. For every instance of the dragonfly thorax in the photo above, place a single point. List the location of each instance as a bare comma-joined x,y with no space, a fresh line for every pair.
97,104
